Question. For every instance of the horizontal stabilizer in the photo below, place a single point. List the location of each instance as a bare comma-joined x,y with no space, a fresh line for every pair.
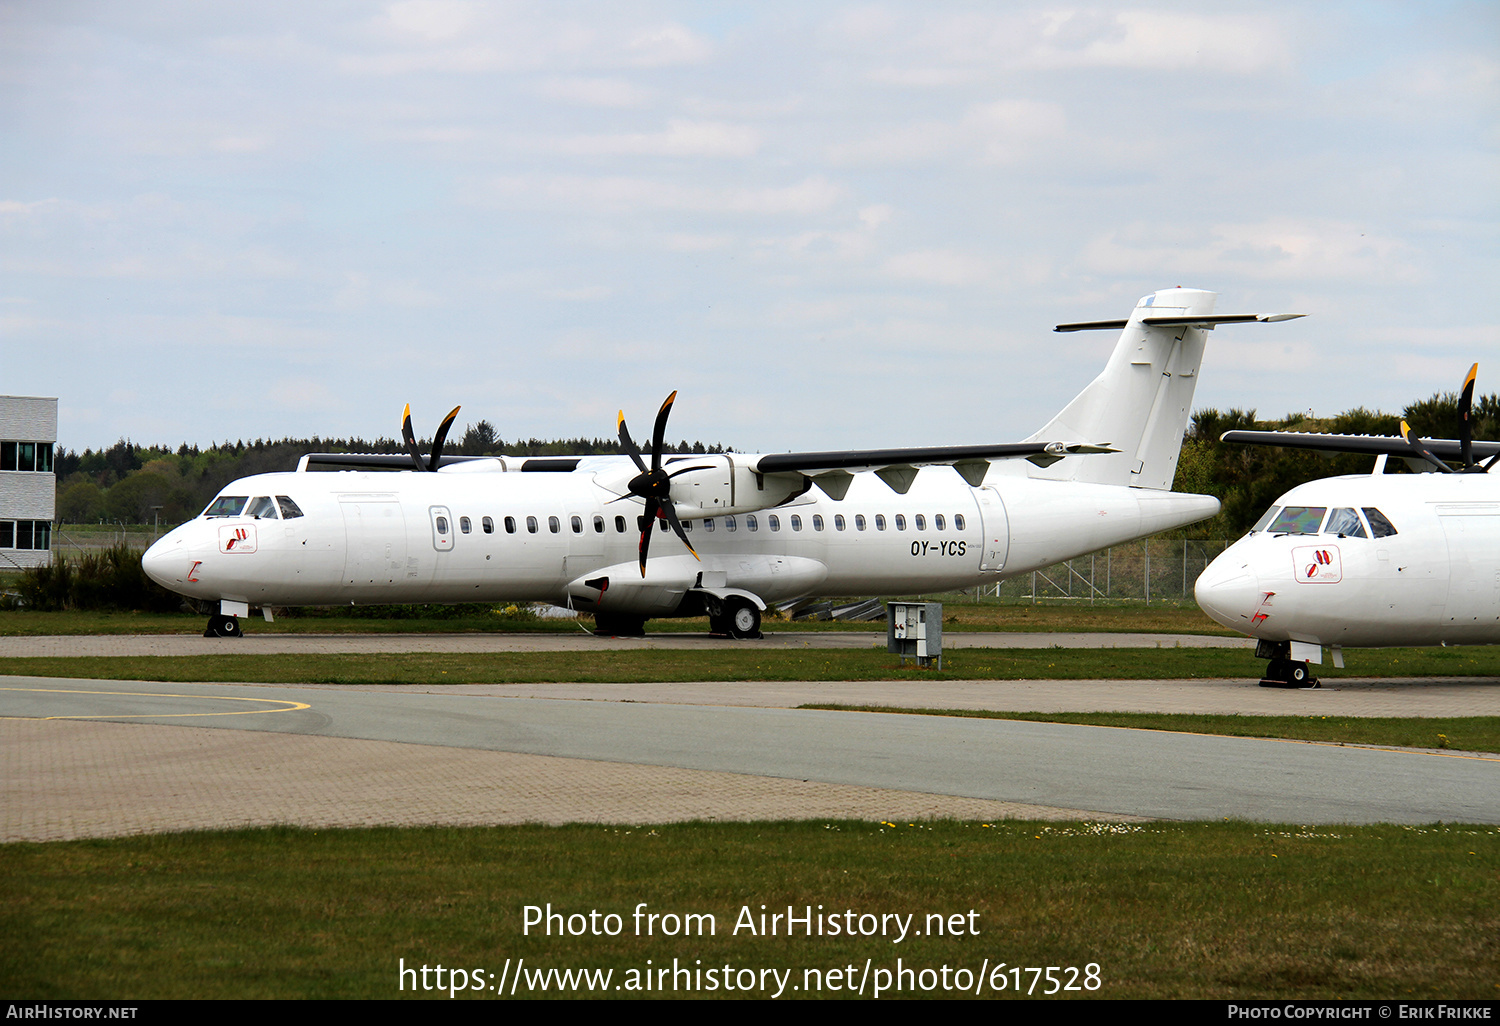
1181,322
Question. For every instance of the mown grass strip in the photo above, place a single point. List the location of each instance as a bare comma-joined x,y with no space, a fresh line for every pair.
1204,910
1458,733
749,663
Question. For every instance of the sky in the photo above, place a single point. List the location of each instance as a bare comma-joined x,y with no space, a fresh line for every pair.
827,225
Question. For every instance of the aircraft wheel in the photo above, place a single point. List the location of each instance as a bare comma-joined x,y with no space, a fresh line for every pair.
744,620
1299,676
221,626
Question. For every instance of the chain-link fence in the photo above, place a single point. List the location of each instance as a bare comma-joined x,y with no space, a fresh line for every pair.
1156,568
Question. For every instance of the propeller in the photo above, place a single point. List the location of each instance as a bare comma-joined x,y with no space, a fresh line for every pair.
654,484
1421,450
437,442
1465,425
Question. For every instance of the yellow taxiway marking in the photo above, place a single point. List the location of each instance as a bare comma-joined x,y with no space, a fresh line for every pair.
286,704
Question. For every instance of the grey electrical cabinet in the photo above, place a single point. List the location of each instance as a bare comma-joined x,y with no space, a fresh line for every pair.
914,630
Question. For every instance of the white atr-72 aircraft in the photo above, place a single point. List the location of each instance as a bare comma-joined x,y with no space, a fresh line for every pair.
1367,561
753,529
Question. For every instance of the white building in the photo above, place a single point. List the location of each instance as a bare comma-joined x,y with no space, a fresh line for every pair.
28,487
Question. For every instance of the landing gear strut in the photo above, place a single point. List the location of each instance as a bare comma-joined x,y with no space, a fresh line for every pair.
221,626
1284,671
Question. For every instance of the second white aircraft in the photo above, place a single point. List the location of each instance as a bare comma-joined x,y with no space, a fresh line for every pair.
749,529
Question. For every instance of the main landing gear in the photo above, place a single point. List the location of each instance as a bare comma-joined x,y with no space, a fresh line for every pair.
738,619
1284,671
221,626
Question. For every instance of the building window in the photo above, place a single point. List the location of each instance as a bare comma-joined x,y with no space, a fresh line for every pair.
26,456
26,534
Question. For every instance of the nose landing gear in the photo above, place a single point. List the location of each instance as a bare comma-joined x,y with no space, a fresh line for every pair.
1284,671
221,626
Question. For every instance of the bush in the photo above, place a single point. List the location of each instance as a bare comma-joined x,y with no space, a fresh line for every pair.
110,578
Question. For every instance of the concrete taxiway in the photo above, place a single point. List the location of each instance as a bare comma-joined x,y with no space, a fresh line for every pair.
97,758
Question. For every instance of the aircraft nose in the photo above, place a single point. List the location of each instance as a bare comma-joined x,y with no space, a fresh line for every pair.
168,560
1229,593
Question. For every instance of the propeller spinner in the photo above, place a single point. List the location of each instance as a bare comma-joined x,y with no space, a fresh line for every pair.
654,484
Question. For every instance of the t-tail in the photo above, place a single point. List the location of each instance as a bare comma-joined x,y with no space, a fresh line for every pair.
1140,403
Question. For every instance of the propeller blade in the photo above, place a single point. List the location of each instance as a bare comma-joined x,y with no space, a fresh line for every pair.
648,521
411,439
1465,427
631,449
689,470
442,435
671,516
661,430
1421,450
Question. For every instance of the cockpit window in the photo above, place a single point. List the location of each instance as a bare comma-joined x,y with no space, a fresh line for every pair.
1380,527
1265,520
262,508
1345,523
289,509
1299,520
226,506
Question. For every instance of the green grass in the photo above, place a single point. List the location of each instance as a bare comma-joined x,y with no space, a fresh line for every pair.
1210,910
747,663
1459,733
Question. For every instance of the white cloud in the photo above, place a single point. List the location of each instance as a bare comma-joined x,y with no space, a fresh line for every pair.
678,139
940,267
633,195
594,92
1279,248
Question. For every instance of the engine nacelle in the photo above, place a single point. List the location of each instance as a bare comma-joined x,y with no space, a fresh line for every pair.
722,487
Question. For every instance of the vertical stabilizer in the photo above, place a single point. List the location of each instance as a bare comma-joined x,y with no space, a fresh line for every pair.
1140,402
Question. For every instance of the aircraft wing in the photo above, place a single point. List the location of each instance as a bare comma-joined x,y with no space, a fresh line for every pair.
401,461
1206,321
898,466
1368,445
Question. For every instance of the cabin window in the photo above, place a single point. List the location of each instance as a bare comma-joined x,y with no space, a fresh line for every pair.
510,525
1299,520
1266,519
619,525
751,524
774,522
817,522
880,521
465,525
708,524
838,521
598,525
921,522
226,506
263,508
958,521
859,521
796,522
577,524
662,523
1380,527
554,525
687,525
289,509
900,521
488,524
442,525
937,523
1345,523
531,525
729,524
